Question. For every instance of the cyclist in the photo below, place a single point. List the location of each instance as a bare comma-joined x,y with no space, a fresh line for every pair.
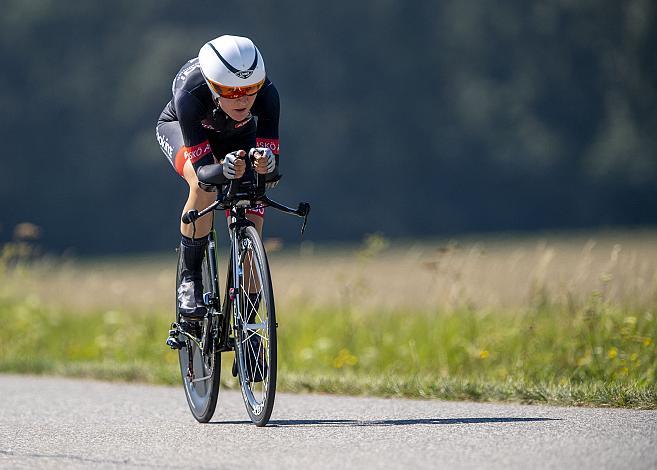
223,107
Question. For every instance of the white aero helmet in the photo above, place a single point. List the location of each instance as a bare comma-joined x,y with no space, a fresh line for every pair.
232,67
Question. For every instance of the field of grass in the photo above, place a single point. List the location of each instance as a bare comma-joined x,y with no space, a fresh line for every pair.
562,320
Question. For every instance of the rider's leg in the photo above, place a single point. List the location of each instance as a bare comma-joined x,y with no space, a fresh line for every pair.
258,221
193,243
251,278
193,239
197,199
252,285
256,364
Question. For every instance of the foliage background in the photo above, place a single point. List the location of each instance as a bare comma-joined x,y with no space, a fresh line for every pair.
410,118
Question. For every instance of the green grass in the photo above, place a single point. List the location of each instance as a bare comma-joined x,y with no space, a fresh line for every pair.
597,354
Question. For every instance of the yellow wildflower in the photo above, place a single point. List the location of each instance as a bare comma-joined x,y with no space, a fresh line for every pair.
344,358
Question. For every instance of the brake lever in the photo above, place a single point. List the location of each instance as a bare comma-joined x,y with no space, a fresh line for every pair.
303,227
303,211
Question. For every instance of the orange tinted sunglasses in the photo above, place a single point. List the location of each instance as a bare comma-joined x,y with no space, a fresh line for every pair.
233,92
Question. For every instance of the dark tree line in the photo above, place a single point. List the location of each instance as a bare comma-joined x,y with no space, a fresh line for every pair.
409,118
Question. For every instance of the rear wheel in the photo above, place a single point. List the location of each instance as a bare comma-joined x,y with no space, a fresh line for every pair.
201,381
255,329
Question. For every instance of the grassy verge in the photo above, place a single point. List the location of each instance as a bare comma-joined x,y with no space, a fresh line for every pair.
593,355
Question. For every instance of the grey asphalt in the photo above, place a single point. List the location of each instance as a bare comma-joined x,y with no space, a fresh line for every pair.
63,423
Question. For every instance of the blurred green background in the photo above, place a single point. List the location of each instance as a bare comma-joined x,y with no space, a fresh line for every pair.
482,160
413,119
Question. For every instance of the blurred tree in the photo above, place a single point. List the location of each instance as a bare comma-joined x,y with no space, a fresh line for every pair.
408,118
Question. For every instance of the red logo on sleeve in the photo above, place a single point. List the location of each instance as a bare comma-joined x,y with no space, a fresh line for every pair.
197,152
271,144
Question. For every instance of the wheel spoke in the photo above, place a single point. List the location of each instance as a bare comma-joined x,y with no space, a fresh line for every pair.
254,329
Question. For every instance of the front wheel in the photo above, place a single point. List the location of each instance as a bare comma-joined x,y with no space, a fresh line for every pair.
255,329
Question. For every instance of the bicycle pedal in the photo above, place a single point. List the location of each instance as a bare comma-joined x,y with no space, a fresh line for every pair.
173,343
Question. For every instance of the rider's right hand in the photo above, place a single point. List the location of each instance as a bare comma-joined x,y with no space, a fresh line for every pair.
234,165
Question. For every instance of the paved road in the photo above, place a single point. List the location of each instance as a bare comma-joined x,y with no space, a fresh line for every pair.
55,423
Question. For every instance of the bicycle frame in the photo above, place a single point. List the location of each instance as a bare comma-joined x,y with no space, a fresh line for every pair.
232,323
217,328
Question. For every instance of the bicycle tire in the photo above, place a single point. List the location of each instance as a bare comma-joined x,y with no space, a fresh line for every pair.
259,410
201,396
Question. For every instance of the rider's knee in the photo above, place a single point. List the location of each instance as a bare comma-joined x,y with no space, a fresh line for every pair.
190,175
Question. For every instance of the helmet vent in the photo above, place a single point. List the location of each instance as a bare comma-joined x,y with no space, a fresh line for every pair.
244,74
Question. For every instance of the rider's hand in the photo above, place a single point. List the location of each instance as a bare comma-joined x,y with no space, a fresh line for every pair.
234,165
263,160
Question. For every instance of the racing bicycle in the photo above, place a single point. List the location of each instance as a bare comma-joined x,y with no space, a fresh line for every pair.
244,319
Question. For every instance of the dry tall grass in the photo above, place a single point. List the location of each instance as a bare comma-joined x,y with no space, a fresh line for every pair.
493,273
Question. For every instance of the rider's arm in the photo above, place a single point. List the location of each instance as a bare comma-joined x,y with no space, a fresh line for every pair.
267,108
212,174
190,112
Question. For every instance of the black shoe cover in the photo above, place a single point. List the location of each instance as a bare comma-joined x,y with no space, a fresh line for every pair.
190,290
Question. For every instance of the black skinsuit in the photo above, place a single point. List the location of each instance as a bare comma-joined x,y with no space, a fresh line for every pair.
192,127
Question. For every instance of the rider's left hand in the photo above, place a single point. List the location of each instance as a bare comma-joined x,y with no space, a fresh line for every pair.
263,160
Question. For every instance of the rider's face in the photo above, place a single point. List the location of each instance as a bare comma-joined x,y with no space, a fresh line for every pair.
237,109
